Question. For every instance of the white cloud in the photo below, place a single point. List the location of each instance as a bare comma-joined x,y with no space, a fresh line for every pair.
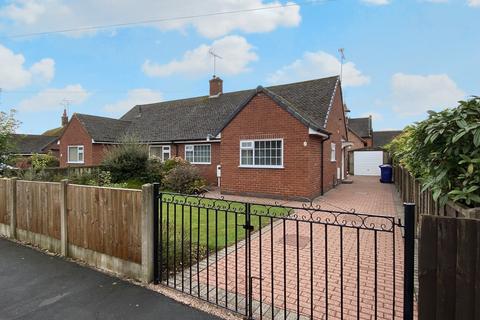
134,97
44,70
23,11
318,65
474,3
51,99
376,2
416,94
35,15
375,115
235,51
14,74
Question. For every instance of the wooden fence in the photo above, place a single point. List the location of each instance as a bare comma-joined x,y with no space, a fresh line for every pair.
410,190
449,268
4,217
38,207
105,227
105,220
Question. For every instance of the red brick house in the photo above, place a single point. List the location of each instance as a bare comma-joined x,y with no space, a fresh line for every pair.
280,141
360,132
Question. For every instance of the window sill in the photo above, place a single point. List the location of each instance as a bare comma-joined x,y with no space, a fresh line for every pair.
261,167
207,163
71,162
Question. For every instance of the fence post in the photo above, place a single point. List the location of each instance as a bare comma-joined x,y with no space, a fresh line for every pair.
64,217
12,205
147,233
409,252
157,234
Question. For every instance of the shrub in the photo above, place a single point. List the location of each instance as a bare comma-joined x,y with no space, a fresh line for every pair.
443,152
128,160
154,172
33,174
169,164
42,161
184,178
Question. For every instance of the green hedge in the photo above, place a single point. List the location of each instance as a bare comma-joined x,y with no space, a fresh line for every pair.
443,152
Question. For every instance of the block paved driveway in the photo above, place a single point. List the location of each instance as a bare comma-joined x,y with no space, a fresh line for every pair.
34,285
319,277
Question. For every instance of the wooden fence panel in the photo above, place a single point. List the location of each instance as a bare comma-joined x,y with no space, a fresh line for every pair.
105,220
449,265
4,217
38,207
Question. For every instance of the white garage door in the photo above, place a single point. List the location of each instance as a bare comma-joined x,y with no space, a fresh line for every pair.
365,163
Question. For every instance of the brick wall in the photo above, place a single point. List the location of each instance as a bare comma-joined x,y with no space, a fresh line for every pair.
75,134
263,119
336,126
357,143
208,171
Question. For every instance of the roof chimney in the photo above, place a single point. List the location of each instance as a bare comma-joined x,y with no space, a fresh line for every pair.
64,118
216,87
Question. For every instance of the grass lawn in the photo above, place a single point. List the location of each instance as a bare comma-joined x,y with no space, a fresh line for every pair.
224,226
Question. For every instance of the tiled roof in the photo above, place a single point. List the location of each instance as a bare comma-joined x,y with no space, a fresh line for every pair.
361,126
381,138
31,143
102,128
196,118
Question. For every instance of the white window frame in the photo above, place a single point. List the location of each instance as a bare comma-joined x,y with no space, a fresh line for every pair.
79,147
333,152
164,148
279,166
192,147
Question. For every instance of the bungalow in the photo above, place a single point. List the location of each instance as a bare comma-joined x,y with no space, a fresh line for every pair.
286,140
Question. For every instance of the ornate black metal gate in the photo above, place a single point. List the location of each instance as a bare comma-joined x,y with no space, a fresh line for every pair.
267,261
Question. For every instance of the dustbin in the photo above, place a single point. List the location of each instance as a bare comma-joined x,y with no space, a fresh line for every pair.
386,173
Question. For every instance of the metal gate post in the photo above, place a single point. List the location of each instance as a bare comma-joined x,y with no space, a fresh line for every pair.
409,258
157,245
248,229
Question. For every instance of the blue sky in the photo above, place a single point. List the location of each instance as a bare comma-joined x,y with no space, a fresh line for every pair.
402,57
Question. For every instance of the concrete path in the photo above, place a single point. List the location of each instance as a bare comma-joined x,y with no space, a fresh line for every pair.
34,285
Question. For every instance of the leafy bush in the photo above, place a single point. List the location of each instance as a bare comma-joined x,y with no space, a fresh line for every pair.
443,152
33,174
184,178
42,161
128,160
169,164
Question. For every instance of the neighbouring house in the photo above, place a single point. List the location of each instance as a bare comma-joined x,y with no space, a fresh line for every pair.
382,138
360,132
26,145
366,160
286,140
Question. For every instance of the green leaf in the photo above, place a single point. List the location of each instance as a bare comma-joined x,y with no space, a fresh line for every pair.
470,168
462,123
458,136
476,138
436,194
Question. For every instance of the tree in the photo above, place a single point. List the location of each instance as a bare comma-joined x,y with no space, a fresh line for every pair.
8,125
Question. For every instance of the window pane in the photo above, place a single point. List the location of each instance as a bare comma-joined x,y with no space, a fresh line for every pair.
72,154
155,152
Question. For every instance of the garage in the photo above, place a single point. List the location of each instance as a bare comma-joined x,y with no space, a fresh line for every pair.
365,163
